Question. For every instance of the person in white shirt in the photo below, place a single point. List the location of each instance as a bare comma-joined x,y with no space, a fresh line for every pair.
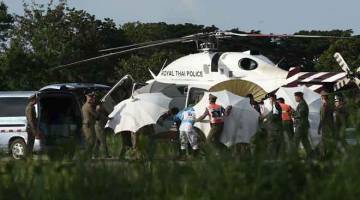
187,133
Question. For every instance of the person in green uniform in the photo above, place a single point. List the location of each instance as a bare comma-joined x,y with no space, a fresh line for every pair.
88,126
301,123
273,126
100,131
340,119
326,125
31,127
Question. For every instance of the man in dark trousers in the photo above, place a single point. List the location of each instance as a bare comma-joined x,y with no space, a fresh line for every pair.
326,125
301,123
287,122
340,118
273,126
216,113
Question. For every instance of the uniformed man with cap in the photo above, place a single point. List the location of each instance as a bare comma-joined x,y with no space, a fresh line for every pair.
31,127
273,126
89,117
216,113
326,124
301,123
340,117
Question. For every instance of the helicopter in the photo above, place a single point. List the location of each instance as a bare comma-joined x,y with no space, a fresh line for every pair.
240,72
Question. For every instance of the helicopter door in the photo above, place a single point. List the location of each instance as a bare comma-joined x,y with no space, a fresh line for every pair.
194,95
121,90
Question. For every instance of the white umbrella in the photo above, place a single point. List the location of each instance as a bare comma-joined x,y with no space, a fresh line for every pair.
240,125
314,102
137,112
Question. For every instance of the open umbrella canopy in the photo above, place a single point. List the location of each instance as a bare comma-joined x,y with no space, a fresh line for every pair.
314,102
241,88
239,126
137,112
170,90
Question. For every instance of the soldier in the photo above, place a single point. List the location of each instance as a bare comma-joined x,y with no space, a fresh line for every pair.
340,118
301,120
31,127
287,122
273,125
100,132
326,124
216,113
89,117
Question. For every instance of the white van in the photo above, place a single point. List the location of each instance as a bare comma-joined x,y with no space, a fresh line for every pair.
13,135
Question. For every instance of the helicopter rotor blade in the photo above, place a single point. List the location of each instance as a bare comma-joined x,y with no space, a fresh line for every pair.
138,45
117,53
340,60
188,38
259,35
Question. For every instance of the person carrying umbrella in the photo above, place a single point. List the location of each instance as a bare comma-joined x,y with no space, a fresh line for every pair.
216,113
301,123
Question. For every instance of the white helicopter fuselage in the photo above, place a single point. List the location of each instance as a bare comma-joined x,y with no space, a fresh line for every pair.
208,68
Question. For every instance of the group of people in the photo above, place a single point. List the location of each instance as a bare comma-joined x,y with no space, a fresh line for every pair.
284,126
93,126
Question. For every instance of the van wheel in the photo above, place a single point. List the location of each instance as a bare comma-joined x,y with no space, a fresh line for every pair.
18,149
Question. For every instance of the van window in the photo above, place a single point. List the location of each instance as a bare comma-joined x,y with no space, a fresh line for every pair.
13,106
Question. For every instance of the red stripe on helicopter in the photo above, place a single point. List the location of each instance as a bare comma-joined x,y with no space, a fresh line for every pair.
314,77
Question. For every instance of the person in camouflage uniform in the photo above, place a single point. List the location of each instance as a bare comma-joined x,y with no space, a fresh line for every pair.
301,123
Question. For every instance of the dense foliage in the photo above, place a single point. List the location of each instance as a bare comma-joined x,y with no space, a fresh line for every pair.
47,36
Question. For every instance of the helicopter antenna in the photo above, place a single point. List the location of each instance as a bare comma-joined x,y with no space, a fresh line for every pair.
164,65
115,53
280,61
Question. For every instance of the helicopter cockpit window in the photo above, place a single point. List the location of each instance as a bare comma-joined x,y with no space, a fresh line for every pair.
248,64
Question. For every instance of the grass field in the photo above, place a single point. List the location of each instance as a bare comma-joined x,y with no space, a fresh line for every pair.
212,176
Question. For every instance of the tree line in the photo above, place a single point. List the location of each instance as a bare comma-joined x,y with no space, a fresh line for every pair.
46,36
